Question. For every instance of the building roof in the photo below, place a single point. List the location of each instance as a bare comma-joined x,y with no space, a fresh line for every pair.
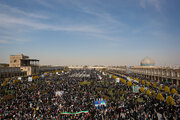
30,59
147,61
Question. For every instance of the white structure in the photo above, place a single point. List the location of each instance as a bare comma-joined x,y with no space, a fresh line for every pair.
148,71
147,61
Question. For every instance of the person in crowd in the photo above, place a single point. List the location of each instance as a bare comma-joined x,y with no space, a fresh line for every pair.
37,100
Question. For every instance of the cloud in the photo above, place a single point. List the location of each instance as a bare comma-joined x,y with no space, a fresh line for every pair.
45,3
109,38
154,3
81,6
100,13
12,10
13,20
8,21
142,3
4,41
11,40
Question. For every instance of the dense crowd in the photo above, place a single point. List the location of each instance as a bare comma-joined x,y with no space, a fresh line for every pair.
81,88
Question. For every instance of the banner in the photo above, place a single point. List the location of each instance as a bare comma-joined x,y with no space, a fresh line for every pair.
30,79
59,93
99,77
69,113
19,78
100,103
117,80
57,73
110,76
103,73
42,76
50,74
136,88
128,78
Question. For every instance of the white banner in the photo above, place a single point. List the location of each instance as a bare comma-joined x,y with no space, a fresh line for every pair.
30,79
59,93
117,80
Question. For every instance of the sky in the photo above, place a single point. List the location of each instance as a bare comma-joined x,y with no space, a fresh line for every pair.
91,32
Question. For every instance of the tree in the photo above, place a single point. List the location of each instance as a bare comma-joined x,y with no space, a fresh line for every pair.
35,77
154,85
170,100
160,87
160,97
166,89
142,89
136,79
143,82
153,93
6,79
16,81
148,92
148,83
129,83
173,91
4,83
123,80
113,76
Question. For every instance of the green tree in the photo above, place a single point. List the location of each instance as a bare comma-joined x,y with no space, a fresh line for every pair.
143,82
170,100
160,87
148,83
166,89
129,83
173,91
148,92
4,83
160,97
153,93
154,85
142,89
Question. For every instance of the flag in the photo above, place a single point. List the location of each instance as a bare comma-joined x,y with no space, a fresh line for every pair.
70,113
100,103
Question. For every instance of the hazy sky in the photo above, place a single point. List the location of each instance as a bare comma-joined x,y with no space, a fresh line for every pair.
91,32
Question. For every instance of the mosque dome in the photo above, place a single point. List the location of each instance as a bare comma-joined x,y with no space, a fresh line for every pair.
147,62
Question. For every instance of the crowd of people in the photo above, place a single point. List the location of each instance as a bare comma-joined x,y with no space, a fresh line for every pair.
37,100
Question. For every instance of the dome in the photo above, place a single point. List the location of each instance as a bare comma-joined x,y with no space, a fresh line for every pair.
147,62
